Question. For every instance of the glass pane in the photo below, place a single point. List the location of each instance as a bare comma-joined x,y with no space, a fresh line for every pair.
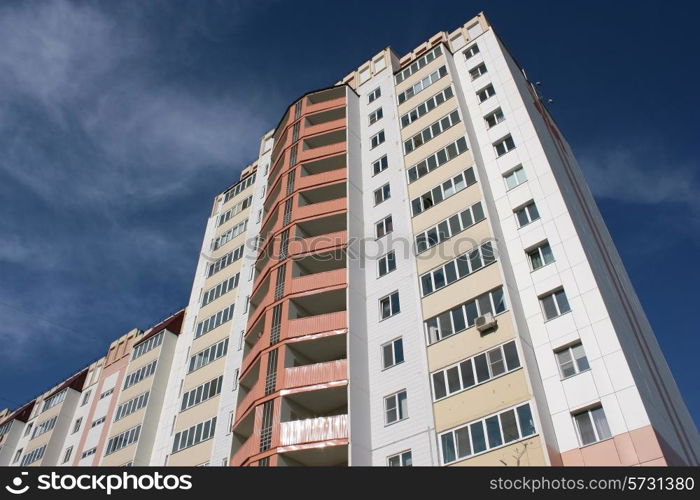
398,351
534,214
550,310
439,385
445,324
475,260
448,448
432,235
458,319
580,357
536,259
432,163
522,217
388,353
470,176
493,430
585,428
482,368
478,437
509,426
407,459
421,243
459,183
395,307
478,212
382,267
565,363
527,425
487,253
427,284
511,352
547,256
443,231
403,405
395,461
464,447
450,272
484,303
472,312
437,195
463,265
391,261
496,362
453,383
386,312
448,188
465,367
601,423
439,278
467,219
454,224
563,302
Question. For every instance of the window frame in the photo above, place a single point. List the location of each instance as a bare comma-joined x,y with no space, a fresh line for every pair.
541,254
392,343
396,397
387,259
555,294
391,303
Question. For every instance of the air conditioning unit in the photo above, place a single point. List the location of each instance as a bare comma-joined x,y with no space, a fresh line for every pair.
485,322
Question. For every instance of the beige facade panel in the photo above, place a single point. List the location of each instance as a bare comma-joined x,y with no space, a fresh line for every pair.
196,414
416,77
460,291
449,249
205,373
433,115
219,333
195,455
222,302
447,137
120,457
469,343
502,392
441,174
528,452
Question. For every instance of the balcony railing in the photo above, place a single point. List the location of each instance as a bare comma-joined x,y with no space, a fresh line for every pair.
317,324
319,280
321,208
317,243
318,373
313,430
249,448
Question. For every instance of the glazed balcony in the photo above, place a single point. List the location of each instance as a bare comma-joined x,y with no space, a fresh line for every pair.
315,374
313,430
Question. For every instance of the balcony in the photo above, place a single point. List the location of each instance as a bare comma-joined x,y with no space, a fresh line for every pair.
314,374
325,99
321,201
324,121
316,281
313,430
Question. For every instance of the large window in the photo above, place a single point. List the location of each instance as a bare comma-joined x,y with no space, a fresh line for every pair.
443,191
143,347
427,106
403,459
554,304
201,393
220,289
437,159
234,210
463,316
229,235
526,214
33,456
392,353
225,261
214,321
194,435
45,426
572,360
418,64
54,400
239,187
123,440
395,407
449,227
488,433
138,375
387,263
458,268
540,256
475,370
208,355
431,131
389,305
384,226
592,426
131,406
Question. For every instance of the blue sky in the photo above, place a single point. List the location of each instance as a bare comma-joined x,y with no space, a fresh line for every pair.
119,122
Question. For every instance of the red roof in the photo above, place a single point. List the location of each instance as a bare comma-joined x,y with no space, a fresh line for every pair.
172,324
75,382
23,413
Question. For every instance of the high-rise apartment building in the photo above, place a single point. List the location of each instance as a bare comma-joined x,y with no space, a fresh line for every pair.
412,272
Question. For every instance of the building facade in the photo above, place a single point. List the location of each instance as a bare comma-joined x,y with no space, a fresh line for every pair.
412,272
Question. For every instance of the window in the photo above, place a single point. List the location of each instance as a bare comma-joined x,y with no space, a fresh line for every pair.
437,159
138,375
485,93
17,455
201,393
592,425
374,95
443,191
426,106
477,71
475,370
382,194
131,406
110,391
194,435
67,454
402,459
449,227
384,227
389,306
239,187
463,316
432,131
214,321
540,256
422,84
375,116
28,430
554,304
123,440
225,261
504,145
86,397
526,214
234,210
380,165
515,177
45,426
572,360
418,64
88,453
392,353
222,288
486,434
76,425
208,355
471,51
456,269
376,139
494,118
33,456
229,235
97,422
54,400
395,407
387,263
